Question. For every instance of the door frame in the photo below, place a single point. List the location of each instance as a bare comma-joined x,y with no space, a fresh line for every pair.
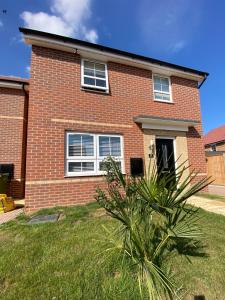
162,137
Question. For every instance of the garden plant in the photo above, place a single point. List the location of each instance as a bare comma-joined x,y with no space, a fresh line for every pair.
153,222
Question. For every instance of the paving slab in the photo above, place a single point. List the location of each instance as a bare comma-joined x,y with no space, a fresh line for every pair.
212,205
217,189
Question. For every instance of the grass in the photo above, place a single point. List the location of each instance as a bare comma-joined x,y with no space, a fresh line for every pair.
64,260
211,196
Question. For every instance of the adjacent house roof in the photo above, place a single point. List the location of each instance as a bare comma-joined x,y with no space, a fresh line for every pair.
52,40
14,82
214,136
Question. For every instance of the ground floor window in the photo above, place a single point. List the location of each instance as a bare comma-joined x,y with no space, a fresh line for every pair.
86,152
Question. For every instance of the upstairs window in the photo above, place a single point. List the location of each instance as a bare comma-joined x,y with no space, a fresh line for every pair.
162,88
94,75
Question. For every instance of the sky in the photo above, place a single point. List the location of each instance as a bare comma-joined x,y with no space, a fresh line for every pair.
189,33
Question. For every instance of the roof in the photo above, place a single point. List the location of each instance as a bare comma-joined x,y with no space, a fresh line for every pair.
14,79
214,136
152,122
109,50
154,118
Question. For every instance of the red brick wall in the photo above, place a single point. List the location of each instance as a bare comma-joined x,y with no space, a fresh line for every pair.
13,116
55,93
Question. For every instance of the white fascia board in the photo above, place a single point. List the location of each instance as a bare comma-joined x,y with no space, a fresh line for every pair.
11,85
106,56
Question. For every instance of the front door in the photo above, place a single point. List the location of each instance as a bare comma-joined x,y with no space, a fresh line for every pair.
165,156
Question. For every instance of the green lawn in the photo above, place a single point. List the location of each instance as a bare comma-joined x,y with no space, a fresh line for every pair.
64,260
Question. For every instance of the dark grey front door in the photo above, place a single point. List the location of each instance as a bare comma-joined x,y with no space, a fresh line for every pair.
165,156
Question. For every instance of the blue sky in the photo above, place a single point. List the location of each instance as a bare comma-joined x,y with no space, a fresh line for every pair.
189,33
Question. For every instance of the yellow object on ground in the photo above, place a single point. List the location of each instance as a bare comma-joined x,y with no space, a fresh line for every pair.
6,203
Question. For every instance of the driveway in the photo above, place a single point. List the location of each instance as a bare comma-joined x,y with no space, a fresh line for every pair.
215,206
217,189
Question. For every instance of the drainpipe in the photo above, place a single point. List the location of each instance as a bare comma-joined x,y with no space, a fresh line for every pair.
205,77
25,131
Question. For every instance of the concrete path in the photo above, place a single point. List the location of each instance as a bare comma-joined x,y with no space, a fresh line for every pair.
217,189
215,206
6,217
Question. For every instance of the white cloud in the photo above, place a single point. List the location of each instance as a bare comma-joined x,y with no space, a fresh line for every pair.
44,22
28,70
178,46
69,18
90,35
169,25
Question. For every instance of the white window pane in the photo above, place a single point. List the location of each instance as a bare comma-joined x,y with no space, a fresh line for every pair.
89,64
165,88
87,166
103,168
87,145
166,97
157,79
158,96
115,146
89,72
157,87
104,146
100,74
89,81
79,167
165,81
74,166
100,67
75,145
100,83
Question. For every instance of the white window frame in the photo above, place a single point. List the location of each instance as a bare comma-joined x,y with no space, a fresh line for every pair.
117,158
96,158
106,88
80,158
160,92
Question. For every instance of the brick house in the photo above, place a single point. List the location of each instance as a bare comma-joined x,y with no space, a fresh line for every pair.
214,140
87,101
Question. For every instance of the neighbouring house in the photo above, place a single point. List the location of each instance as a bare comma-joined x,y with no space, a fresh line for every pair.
214,142
88,101
13,129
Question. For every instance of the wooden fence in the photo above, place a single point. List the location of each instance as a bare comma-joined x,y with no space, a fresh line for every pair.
216,166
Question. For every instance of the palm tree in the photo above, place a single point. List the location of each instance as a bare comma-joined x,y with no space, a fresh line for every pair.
153,221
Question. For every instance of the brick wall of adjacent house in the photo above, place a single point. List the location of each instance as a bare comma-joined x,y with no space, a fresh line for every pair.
58,104
13,114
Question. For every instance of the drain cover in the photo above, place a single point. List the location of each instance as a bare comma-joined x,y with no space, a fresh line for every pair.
44,219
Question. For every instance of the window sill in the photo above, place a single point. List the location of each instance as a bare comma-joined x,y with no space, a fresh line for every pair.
87,175
95,91
163,101
83,175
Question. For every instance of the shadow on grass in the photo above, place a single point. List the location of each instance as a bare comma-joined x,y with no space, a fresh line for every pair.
191,248
199,297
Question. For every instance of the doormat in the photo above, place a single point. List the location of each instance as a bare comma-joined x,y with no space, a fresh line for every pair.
44,219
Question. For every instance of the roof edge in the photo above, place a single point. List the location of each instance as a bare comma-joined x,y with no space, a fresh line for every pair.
14,79
64,39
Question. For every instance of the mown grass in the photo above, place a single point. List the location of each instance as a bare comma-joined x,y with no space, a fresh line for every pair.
65,260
